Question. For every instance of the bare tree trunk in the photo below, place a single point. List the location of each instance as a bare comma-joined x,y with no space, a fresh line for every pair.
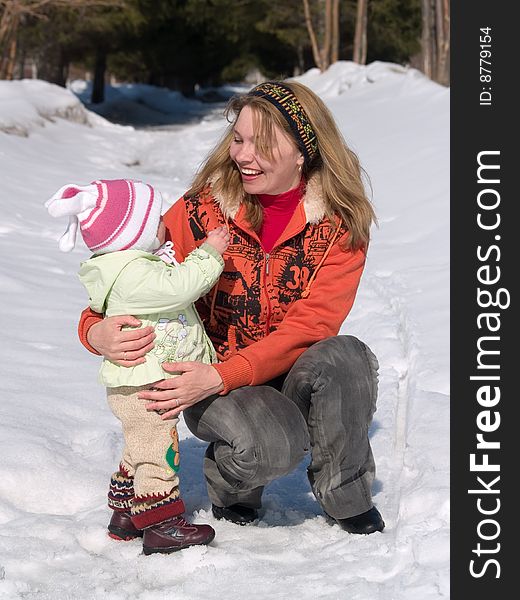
360,36
312,35
443,42
325,49
427,38
300,64
7,23
9,39
322,54
58,69
10,62
64,69
14,10
435,39
98,85
334,52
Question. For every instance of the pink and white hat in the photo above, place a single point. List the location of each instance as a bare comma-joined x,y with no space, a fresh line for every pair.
112,215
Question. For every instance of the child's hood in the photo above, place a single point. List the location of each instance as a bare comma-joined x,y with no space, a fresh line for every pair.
99,273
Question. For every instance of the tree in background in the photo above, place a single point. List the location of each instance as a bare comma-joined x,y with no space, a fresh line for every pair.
180,44
379,30
393,30
435,40
359,54
196,42
319,23
286,21
17,13
103,31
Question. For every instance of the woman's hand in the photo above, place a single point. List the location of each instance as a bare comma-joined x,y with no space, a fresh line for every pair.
126,347
196,382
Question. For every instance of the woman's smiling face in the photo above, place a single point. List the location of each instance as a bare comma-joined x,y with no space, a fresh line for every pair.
260,174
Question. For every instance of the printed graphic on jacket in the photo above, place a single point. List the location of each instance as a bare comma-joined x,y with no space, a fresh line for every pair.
171,334
256,289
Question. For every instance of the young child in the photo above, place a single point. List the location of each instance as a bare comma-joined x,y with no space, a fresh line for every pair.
120,222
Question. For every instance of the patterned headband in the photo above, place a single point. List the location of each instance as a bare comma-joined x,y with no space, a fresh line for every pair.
288,104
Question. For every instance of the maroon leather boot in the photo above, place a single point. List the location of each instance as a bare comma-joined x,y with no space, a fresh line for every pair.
122,528
175,534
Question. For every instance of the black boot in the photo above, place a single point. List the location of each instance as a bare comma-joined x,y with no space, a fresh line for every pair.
365,523
236,513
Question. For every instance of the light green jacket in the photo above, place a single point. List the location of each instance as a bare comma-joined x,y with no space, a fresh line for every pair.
131,282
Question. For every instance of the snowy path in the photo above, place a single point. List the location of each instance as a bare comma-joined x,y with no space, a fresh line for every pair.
59,442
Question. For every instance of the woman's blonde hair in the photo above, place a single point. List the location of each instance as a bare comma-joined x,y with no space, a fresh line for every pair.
337,166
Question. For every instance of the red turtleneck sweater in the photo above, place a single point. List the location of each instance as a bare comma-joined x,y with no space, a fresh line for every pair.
278,210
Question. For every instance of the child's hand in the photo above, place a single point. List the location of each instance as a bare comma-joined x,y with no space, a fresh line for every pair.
219,238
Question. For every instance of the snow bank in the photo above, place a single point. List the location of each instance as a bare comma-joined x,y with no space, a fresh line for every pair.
30,103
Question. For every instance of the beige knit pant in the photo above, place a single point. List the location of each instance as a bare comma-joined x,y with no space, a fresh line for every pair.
150,457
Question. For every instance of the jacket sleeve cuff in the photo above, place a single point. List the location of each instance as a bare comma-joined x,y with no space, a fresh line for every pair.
212,251
235,372
87,319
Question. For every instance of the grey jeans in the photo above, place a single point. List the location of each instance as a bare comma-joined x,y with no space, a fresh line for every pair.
259,433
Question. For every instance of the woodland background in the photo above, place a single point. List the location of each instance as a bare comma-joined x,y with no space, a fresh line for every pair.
187,44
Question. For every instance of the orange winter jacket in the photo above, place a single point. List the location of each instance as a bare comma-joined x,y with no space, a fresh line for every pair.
266,309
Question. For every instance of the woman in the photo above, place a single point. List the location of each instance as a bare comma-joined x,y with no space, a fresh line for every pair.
290,192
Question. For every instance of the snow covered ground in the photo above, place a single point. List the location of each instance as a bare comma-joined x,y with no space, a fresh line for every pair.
59,442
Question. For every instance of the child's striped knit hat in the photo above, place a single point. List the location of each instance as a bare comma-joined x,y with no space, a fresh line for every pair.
112,215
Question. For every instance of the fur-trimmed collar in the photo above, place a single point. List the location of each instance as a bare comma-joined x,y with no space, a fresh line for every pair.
313,202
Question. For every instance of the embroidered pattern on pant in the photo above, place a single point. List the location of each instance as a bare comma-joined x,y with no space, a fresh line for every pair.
121,491
152,502
172,454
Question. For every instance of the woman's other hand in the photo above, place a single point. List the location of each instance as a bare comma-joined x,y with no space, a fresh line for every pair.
196,381
124,347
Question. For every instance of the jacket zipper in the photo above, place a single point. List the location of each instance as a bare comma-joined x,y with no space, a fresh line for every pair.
268,317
